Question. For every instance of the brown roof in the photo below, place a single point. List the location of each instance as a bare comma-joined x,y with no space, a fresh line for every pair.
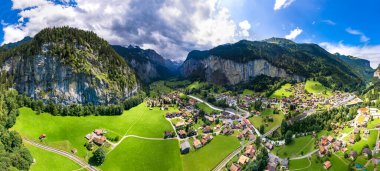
234,167
243,159
327,164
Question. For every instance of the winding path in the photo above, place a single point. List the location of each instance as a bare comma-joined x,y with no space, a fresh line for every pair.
62,153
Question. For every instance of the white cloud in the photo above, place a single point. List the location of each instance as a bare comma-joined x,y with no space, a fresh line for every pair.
329,22
282,4
171,27
22,4
294,33
245,26
371,53
363,37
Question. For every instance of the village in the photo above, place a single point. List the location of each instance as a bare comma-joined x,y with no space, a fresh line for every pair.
197,123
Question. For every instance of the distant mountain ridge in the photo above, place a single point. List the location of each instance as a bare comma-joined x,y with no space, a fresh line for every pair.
68,65
275,57
148,64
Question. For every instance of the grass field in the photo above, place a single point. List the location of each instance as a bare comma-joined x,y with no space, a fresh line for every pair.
195,85
210,155
140,154
301,144
205,108
315,164
257,121
248,92
317,87
299,164
68,132
371,141
372,124
45,160
282,92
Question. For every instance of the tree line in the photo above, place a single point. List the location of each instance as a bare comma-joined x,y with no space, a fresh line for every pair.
13,155
79,110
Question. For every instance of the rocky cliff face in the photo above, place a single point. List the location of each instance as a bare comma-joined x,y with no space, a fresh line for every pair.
47,78
377,73
69,72
224,71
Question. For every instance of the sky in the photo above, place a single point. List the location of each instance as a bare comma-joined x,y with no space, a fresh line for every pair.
175,27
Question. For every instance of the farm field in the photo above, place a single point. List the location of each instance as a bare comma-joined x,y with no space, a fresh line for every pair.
140,154
371,141
205,108
282,92
301,144
317,88
257,121
66,132
46,160
207,157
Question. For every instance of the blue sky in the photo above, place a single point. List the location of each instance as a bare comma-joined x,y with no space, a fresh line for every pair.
348,27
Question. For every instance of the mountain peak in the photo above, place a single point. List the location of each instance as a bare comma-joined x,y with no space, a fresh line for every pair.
277,40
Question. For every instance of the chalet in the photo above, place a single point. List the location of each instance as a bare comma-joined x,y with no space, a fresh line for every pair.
322,150
168,134
245,132
240,136
99,132
207,129
197,144
182,133
366,152
285,164
327,164
185,147
324,141
243,159
234,167
353,154
250,151
179,124
269,145
206,139
337,145
99,140
330,139
351,141
251,137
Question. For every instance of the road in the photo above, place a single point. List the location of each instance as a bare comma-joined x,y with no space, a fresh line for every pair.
304,156
62,153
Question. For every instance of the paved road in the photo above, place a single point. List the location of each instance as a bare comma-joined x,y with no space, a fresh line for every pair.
63,153
224,162
304,156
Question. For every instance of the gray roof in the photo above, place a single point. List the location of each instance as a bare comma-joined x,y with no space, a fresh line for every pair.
185,145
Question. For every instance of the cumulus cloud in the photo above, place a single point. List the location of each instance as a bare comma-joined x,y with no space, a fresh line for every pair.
294,33
244,26
371,53
363,37
171,27
282,4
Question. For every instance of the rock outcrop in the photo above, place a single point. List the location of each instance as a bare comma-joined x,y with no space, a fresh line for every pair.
377,72
224,71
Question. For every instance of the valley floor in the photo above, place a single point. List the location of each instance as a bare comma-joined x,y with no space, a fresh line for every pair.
141,145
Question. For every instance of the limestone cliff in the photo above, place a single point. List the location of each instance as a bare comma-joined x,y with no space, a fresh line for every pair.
224,71
67,66
377,72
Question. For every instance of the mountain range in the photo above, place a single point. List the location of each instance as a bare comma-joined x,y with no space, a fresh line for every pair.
68,65
276,57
